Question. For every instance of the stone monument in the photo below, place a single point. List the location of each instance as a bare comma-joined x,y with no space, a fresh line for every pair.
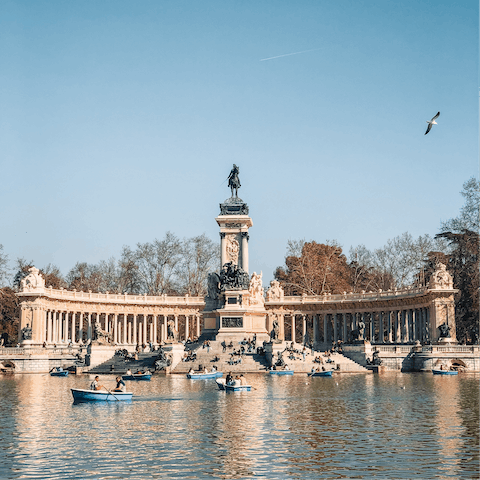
235,304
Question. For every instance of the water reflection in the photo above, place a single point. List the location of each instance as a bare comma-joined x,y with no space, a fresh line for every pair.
362,426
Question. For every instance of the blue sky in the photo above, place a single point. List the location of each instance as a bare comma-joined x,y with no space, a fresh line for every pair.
120,121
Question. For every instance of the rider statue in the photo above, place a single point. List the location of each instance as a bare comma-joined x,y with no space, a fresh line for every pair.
233,180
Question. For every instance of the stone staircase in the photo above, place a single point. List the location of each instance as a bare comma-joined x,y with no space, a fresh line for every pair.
338,362
251,362
118,365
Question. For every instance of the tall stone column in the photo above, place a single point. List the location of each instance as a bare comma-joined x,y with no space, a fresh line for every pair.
80,327
49,327
124,328
165,331
130,333
293,328
389,323
176,322
335,328
344,324
315,328
244,250
371,325
198,325
381,332
73,325
187,332
155,329
134,329
325,328
281,326
304,328
223,250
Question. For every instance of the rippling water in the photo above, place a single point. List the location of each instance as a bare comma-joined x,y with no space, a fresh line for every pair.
396,426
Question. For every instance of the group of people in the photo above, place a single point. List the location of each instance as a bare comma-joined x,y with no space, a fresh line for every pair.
205,370
189,356
236,381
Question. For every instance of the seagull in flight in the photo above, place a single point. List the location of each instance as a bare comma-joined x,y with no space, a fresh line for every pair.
432,122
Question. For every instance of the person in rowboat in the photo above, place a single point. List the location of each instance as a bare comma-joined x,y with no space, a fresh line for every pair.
121,387
95,385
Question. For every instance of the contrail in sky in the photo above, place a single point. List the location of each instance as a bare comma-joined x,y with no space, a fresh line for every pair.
288,54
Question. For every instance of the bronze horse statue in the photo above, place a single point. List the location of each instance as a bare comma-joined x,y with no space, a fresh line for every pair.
233,180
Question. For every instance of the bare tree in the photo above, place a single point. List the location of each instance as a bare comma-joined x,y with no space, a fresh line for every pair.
155,264
4,272
199,256
470,211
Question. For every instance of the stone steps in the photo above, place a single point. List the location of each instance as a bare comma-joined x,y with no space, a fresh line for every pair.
339,363
120,366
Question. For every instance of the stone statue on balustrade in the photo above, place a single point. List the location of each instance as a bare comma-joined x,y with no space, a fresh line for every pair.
275,292
172,332
33,281
275,333
100,337
27,332
376,360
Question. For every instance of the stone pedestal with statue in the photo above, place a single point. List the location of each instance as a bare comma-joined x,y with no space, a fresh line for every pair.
235,305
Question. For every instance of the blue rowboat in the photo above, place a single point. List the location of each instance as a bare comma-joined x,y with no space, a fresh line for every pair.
80,395
327,373
59,372
238,388
281,372
202,376
444,372
137,376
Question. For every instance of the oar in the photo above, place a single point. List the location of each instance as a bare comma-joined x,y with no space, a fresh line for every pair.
111,393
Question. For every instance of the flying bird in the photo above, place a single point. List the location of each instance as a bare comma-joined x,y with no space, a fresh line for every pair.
432,122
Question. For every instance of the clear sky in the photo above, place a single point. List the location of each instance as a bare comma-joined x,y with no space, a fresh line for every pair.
119,121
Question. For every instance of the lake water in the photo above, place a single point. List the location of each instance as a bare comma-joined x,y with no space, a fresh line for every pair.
396,426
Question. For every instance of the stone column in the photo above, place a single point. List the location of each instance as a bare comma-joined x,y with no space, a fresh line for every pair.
187,332
344,325
315,328
198,325
176,322
124,328
130,333
304,328
281,326
73,325
134,330
381,336
408,325
293,328
244,251
223,251
371,325
389,326
325,328
155,329
49,326
335,328
165,331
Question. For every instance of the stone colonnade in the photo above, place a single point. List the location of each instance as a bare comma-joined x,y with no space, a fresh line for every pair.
124,329
390,326
50,316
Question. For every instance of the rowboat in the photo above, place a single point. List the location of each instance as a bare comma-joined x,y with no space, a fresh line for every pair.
59,372
80,395
202,376
327,373
220,383
281,372
137,376
238,388
445,372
